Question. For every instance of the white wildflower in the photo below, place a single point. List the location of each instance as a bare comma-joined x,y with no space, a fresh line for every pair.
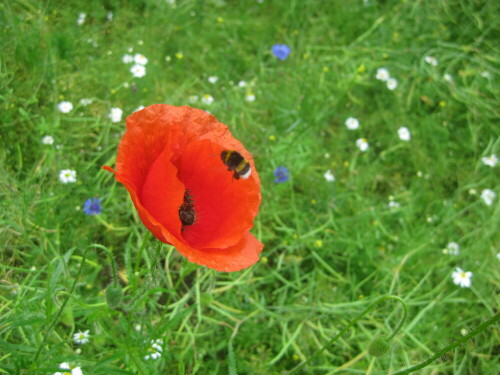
352,123
81,337
382,74
138,70
213,79
65,107
488,196
81,19
67,176
140,59
462,278
452,248
490,161
250,97
48,140
329,176
155,350
431,60
404,134
393,204
207,99
85,102
72,369
392,83
362,144
127,59
115,114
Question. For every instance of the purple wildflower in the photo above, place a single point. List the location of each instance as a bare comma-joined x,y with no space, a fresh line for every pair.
92,206
281,51
282,175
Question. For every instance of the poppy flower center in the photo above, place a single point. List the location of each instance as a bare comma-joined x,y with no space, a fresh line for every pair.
187,214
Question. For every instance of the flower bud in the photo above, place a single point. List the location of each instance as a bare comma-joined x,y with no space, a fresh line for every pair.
379,347
114,295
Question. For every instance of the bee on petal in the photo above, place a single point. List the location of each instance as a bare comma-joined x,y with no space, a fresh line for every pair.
237,163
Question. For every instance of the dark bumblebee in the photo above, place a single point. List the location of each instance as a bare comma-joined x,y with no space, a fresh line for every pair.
237,163
186,210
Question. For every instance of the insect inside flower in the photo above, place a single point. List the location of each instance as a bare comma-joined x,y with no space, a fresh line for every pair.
187,214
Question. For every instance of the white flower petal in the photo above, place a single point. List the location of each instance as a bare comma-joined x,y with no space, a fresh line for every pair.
115,114
362,144
392,83
352,123
404,134
65,107
382,74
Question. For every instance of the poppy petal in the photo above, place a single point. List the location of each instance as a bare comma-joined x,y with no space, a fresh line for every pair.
224,207
163,193
235,258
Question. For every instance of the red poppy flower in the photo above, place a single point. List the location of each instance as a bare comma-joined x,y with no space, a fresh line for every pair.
169,161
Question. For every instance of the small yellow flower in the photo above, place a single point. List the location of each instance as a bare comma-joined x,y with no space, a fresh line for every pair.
179,55
361,69
442,103
346,164
318,243
295,357
220,20
264,260
326,69
272,137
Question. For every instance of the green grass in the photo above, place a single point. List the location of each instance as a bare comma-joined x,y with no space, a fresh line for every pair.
330,248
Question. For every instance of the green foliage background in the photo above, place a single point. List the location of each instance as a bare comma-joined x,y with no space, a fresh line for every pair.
330,248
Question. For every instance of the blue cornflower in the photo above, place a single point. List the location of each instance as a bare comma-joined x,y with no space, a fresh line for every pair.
282,175
281,51
92,206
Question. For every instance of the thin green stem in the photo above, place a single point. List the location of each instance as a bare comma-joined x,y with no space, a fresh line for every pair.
113,264
351,323
142,292
405,315
63,305
452,346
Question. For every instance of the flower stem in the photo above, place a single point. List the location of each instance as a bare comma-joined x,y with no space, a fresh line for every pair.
351,323
452,346
113,264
